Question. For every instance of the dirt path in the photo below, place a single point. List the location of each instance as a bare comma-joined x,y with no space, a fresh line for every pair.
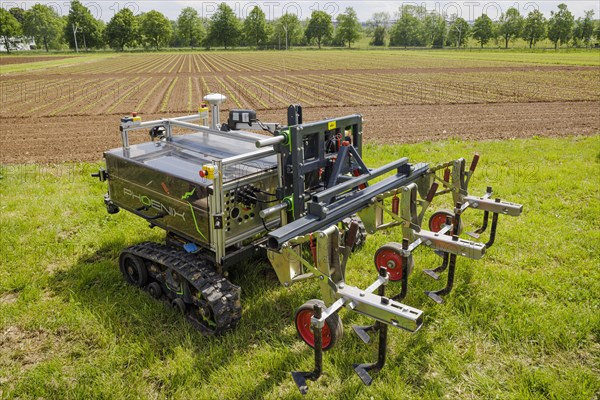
58,139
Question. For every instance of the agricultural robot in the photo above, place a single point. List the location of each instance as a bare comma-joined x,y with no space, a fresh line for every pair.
304,198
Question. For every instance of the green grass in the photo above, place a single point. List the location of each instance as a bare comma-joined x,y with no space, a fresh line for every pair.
53,61
521,324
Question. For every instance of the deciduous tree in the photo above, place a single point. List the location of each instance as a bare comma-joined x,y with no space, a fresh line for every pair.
122,30
288,30
155,29
434,29
224,27
584,29
560,25
483,29
10,29
378,27
511,25
407,29
348,28
534,27
44,25
189,27
319,27
82,27
459,32
255,27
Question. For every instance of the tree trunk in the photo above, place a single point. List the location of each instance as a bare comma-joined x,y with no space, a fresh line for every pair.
7,44
349,43
46,45
506,39
319,42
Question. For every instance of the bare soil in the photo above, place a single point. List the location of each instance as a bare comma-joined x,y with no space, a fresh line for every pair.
58,139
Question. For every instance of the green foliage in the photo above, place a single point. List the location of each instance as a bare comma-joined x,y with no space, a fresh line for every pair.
45,26
84,26
287,30
122,29
10,29
19,14
155,29
459,32
434,30
483,29
560,25
348,28
584,29
190,27
319,27
377,28
407,29
511,25
534,27
255,27
225,29
522,323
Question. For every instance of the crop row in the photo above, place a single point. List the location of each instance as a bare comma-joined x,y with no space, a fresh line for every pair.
270,61
119,93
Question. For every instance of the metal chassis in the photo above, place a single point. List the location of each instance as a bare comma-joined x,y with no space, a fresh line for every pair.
218,246
312,221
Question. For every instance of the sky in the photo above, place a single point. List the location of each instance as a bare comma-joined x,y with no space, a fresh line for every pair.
469,10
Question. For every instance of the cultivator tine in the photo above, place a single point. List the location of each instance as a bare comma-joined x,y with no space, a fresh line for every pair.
362,370
493,230
301,377
479,231
437,295
449,262
362,331
434,273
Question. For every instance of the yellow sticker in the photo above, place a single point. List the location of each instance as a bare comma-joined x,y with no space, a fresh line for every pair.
332,125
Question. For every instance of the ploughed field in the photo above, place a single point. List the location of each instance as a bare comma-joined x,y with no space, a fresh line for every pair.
71,111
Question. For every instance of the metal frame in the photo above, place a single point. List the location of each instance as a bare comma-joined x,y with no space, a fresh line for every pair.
317,189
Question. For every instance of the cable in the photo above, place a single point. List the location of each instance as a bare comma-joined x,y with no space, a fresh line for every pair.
264,127
265,225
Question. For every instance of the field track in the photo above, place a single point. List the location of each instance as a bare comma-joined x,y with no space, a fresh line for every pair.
71,112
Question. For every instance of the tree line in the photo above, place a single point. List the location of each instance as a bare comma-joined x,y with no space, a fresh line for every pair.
417,27
413,26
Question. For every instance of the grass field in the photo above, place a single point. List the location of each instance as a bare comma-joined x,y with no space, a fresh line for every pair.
521,324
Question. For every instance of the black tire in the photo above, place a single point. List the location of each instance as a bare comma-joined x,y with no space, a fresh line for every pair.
361,236
155,290
133,269
179,305
333,330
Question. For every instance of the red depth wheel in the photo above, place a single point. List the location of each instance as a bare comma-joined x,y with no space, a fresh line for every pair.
438,220
390,257
332,331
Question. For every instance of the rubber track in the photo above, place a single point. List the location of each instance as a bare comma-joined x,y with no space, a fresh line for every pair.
222,295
